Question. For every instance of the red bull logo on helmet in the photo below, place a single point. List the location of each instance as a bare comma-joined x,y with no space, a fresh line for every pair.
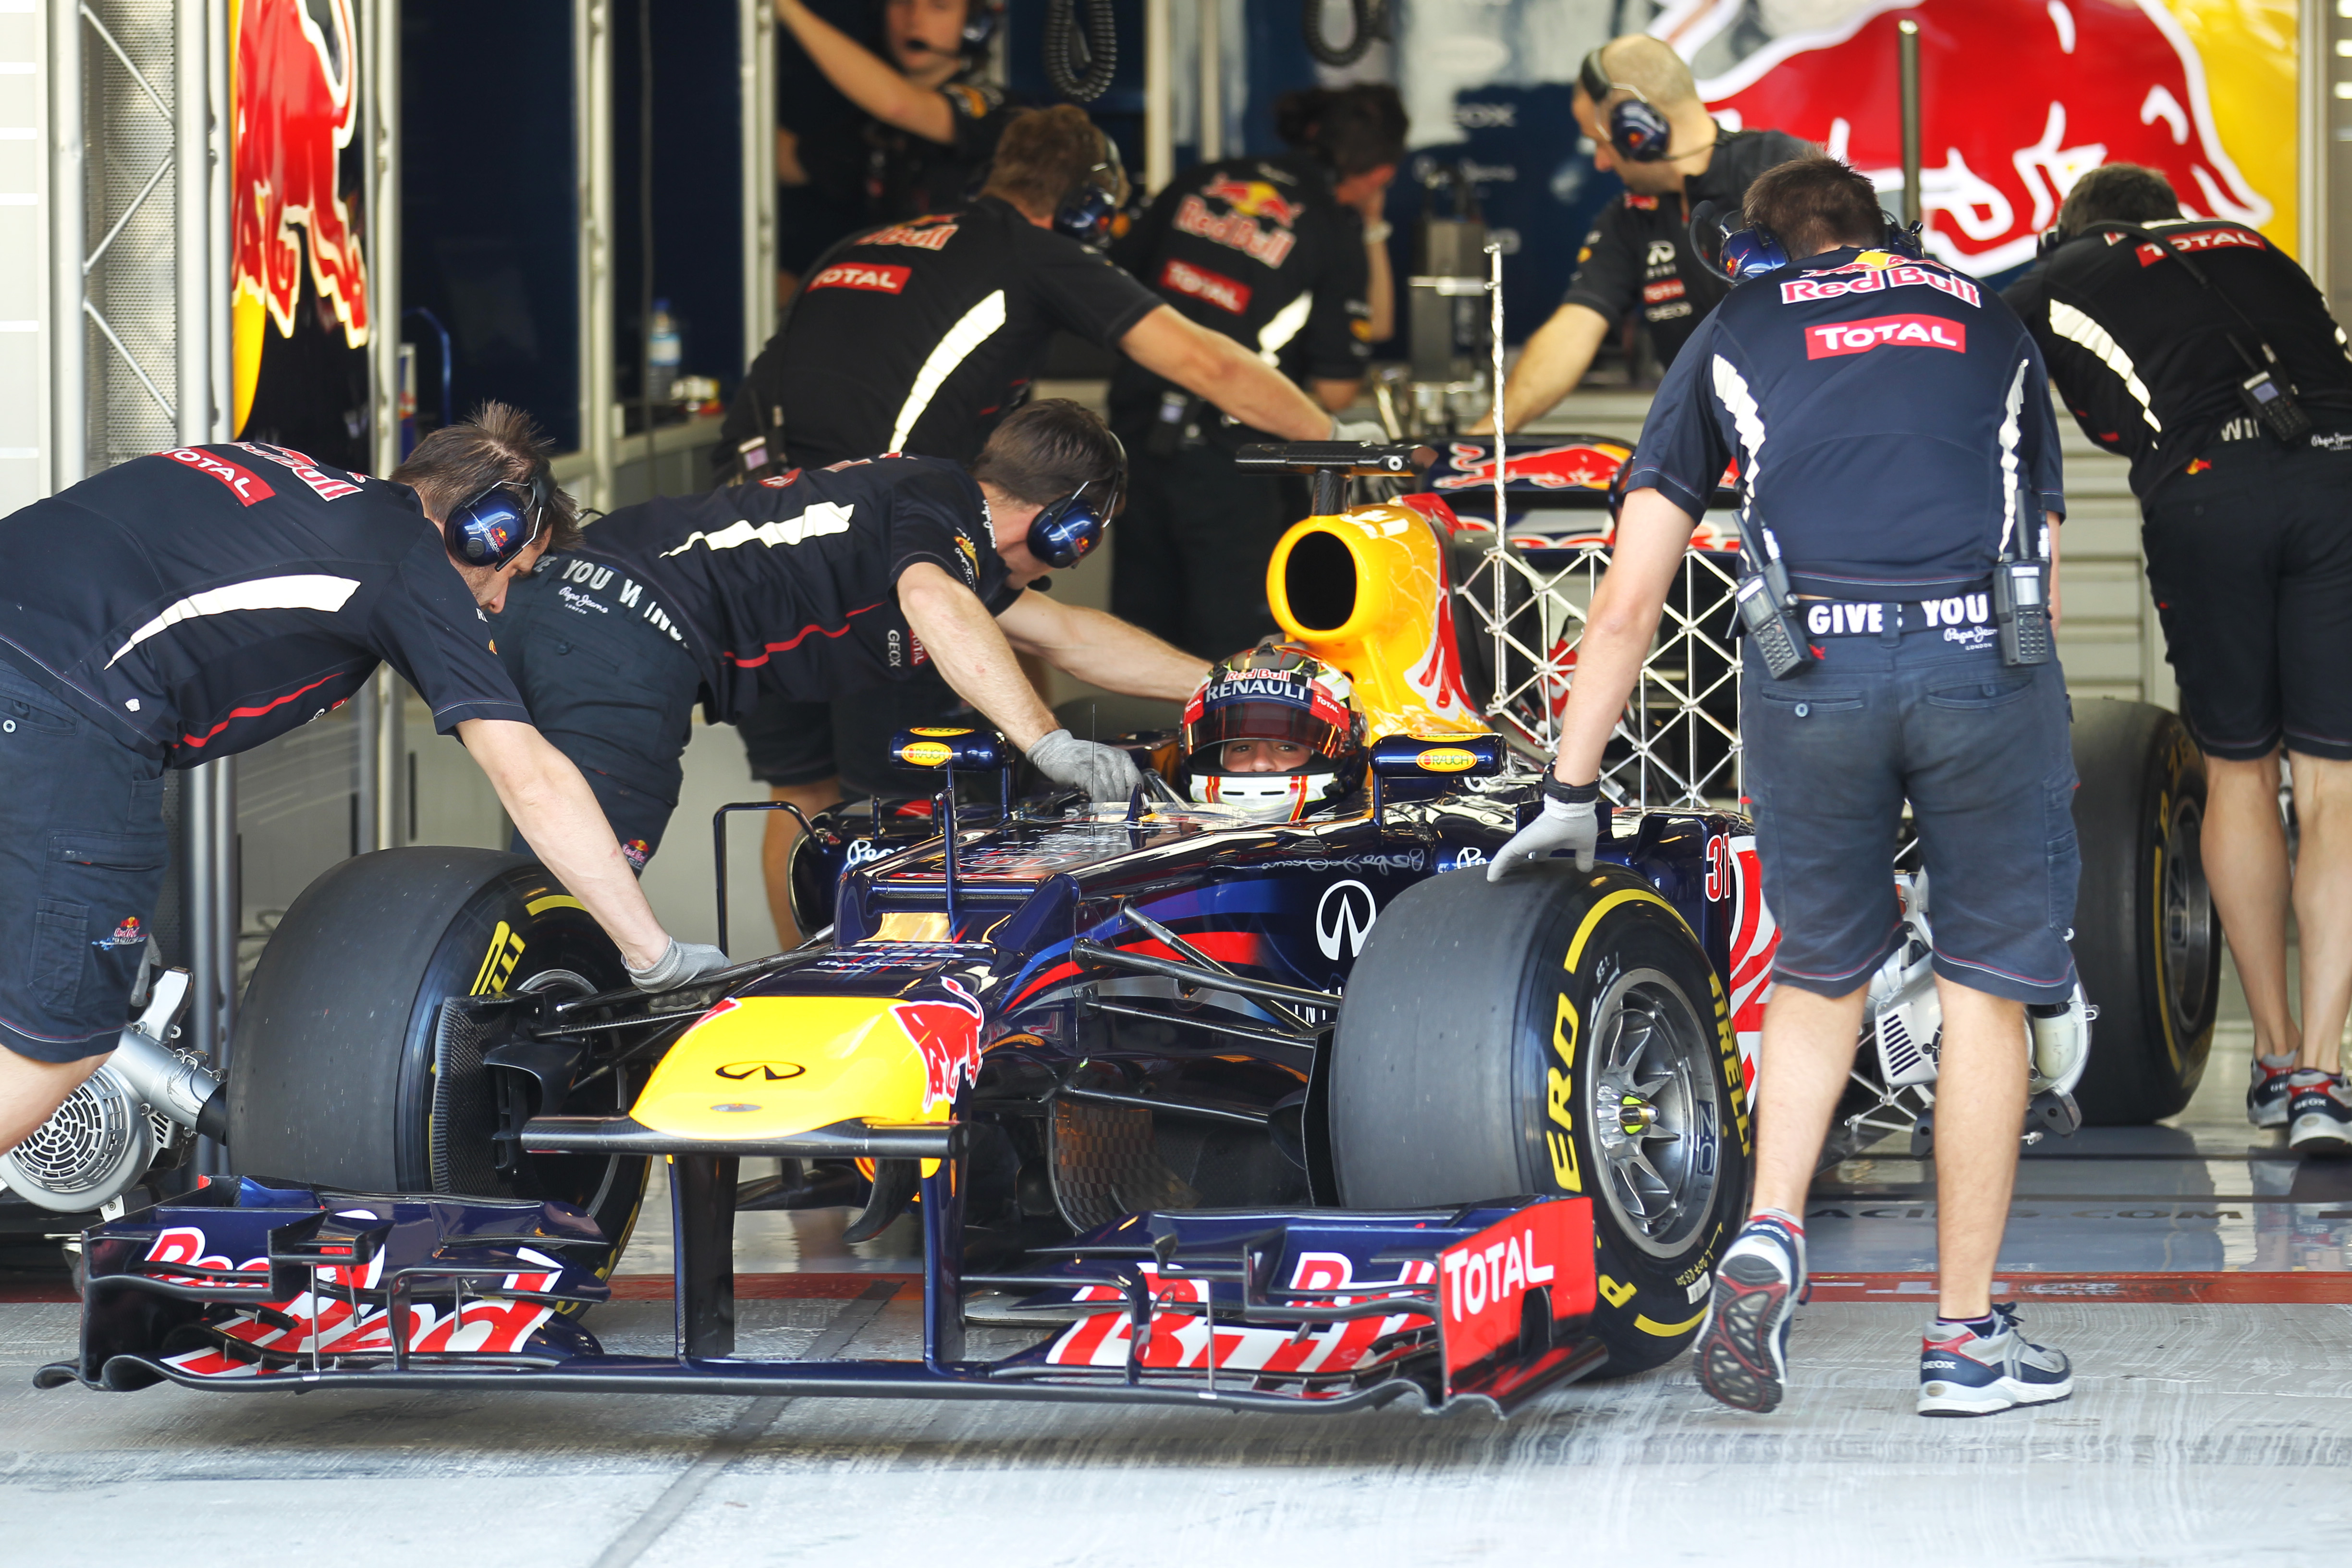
1578,466
2020,99
293,114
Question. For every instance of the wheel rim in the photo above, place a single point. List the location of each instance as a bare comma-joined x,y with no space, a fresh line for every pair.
1653,1113
2186,935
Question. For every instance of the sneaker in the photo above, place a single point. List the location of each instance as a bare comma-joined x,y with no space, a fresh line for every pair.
1742,1349
1983,1374
2267,1095
2319,1113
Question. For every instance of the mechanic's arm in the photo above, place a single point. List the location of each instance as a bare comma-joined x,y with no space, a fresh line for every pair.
1212,365
558,816
1381,290
971,650
1653,533
866,79
1554,361
1100,648
789,169
1338,396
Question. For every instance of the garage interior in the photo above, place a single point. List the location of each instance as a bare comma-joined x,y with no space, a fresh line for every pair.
2199,1274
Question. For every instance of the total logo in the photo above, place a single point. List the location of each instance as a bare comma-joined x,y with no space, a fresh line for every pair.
1343,918
1904,331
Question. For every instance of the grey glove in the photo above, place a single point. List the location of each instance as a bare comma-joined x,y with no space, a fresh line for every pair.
1368,430
1105,773
1562,826
681,962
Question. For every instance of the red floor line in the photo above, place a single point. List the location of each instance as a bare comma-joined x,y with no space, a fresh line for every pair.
2326,1287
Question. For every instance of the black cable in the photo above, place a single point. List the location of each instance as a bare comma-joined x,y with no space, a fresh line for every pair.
1080,68
1372,20
645,236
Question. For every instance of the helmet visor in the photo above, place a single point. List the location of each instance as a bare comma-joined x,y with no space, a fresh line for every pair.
1206,737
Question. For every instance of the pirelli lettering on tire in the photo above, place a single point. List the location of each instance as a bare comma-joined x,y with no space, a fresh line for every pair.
1560,1138
498,962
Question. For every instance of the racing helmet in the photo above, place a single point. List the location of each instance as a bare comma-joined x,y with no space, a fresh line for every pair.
1299,715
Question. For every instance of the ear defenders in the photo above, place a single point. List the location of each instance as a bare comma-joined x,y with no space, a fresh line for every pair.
1086,214
1752,251
981,20
1062,533
498,525
1637,131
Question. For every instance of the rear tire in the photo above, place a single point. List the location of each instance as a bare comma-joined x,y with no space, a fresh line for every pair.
1515,1038
332,1080
2147,941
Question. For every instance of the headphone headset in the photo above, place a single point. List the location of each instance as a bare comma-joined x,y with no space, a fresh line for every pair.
981,20
494,528
1754,250
1637,131
1061,534
1086,211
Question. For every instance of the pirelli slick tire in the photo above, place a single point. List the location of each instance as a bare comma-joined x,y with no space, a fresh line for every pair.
333,1078
1556,1032
2147,941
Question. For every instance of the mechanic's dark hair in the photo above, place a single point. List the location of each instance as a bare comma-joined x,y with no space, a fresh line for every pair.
1814,205
1041,156
1350,129
1047,450
2116,193
497,444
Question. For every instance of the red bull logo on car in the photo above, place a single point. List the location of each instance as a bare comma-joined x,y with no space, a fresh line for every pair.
947,1033
293,113
1576,467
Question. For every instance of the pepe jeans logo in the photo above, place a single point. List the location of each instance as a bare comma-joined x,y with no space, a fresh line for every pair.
1343,917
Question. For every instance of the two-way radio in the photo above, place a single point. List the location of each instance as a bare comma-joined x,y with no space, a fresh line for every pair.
1768,609
2020,589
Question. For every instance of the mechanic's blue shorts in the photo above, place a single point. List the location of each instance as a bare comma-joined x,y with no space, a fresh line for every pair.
82,847
1983,754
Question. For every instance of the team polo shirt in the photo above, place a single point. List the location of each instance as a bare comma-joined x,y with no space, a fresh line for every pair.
1260,251
921,336
1638,255
1886,416
2142,353
202,601
791,583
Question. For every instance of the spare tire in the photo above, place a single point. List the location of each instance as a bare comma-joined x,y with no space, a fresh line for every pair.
333,1075
1560,1032
2147,941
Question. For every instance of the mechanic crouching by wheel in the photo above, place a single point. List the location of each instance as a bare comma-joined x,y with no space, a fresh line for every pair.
2197,349
196,603
1897,457
824,582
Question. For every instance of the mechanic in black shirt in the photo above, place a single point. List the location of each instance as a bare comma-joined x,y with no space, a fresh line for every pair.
1279,255
929,124
820,582
1896,439
920,337
2153,325
196,603
1635,100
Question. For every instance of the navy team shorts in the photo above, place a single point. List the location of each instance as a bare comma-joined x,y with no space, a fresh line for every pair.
1926,713
82,847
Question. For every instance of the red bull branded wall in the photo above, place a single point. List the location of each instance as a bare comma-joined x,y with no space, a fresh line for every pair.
2019,97
299,261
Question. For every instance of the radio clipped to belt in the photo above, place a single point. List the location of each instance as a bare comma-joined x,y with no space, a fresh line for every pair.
1767,610
2020,589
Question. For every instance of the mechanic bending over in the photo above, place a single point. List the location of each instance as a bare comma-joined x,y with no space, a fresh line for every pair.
2159,332
194,604
1897,447
1636,101
921,337
1286,256
822,582
927,122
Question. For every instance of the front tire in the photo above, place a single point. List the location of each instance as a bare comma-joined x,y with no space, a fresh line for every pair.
1561,1032
2147,941
333,1079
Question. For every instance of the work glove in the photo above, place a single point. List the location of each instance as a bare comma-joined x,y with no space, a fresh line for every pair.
680,963
1105,773
1367,430
1564,824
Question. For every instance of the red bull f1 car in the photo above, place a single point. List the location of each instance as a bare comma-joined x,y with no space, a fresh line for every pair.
1297,1114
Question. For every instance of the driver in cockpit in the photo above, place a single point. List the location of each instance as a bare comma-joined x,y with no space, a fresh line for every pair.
1273,731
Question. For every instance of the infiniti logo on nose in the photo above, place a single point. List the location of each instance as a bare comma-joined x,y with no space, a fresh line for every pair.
1343,917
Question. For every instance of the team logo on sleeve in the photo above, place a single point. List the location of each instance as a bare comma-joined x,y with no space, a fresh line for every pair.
1878,332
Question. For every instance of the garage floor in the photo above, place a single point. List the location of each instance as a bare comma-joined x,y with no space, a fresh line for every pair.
2208,1397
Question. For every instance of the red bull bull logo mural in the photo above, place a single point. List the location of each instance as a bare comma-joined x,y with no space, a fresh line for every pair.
295,108
2020,99
947,1033
1578,466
